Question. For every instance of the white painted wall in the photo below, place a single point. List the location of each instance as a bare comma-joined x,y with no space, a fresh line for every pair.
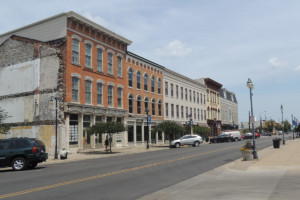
19,78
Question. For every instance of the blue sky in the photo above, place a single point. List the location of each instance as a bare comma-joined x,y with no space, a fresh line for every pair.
226,40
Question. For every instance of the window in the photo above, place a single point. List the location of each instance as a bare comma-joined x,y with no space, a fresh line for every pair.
198,112
190,95
195,114
88,91
201,98
172,90
120,99
110,63
204,99
186,112
130,77
182,111
75,89
139,105
110,95
177,91
198,97
177,111
130,103
153,84
204,114
99,93
194,96
159,86
186,94
75,51
191,112
119,67
138,80
88,55
146,103
166,88
146,82
172,110
159,108
181,92
153,106
99,60
201,115
167,109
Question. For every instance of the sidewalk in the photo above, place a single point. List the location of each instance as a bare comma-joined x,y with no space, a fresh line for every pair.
275,175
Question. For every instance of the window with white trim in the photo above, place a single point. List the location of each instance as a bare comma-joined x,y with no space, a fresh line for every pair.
159,86
88,91
110,63
99,93
120,97
75,51
75,89
119,66
130,103
88,55
153,106
99,60
110,90
153,84
130,77
146,77
159,108
138,80
146,103
139,105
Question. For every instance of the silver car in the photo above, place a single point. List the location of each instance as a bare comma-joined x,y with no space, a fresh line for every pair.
194,140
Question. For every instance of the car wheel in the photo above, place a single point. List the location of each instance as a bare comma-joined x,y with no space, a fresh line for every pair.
236,139
18,164
177,145
32,165
196,144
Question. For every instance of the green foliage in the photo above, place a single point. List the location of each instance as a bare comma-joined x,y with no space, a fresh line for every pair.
287,126
4,128
170,128
201,130
246,130
108,127
270,125
297,129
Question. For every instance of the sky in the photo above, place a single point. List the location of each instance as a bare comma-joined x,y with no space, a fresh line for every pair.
226,40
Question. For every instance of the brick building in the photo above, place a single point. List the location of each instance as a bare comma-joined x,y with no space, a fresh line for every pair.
145,93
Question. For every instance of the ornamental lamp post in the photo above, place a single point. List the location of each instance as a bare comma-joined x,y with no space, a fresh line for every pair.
251,87
283,141
191,123
51,102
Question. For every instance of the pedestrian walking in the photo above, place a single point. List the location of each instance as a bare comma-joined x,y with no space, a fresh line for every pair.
106,143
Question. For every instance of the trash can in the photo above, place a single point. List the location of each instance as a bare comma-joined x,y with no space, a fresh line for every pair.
276,143
63,154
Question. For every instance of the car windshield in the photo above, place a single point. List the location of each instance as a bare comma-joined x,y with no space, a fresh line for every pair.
223,134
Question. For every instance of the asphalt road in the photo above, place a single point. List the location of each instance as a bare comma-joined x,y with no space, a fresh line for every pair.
120,177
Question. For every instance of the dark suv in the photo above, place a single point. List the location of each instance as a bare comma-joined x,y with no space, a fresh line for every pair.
22,153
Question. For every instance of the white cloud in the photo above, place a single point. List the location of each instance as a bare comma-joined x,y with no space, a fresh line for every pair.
173,49
297,68
274,62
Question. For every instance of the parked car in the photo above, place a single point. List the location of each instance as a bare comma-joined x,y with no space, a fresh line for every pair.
227,137
266,134
194,140
249,135
22,153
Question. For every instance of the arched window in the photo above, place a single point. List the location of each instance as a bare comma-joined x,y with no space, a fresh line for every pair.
146,77
153,84
130,77
75,51
138,80
153,106
75,89
159,86
88,92
146,103
159,108
139,105
130,103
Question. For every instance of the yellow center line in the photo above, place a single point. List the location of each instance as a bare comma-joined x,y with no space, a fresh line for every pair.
106,174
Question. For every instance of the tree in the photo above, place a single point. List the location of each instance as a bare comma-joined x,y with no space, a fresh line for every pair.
170,128
287,126
201,130
246,130
108,127
4,128
270,124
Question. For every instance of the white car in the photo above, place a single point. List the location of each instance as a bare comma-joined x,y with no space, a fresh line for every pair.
194,140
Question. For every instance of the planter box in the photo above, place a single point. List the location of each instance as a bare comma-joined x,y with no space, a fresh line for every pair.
247,155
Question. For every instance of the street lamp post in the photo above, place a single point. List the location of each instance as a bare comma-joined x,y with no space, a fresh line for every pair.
51,101
250,86
292,126
148,118
191,123
215,127
283,141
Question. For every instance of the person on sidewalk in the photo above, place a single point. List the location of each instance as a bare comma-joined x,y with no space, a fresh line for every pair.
106,143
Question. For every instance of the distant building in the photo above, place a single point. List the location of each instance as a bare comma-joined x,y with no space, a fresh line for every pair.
229,110
213,105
